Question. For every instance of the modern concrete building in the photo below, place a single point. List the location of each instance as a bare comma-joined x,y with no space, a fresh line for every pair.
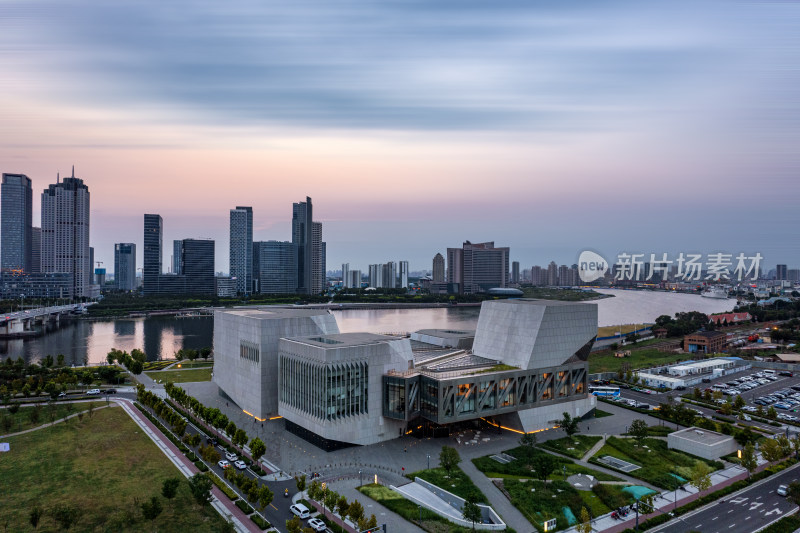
125,266
390,275
65,232
702,443
376,276
403,275
197,266
538,276
438,269
345,275
358,388
241,248
477,267
16,223
246,351
15,285
355,279
226,286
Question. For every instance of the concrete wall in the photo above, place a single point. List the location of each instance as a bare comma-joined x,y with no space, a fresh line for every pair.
675,441
547,416
254,385
534,333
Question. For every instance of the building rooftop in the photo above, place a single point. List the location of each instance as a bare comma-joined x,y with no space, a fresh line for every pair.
273,313
342,340
705,364
540,301
447,333
708,334
701,436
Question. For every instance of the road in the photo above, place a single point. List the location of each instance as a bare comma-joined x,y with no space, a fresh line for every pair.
742,512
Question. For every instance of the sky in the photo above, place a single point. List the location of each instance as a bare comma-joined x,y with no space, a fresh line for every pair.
549,127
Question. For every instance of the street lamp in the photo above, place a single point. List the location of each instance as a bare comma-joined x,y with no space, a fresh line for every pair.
429,461
360,480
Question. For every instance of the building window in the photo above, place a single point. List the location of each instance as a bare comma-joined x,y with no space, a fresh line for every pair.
249,351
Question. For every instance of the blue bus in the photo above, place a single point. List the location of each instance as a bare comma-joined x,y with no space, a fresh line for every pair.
604,390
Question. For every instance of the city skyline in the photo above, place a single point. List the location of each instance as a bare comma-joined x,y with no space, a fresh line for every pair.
549,128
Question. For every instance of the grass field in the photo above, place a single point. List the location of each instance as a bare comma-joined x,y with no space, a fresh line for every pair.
539,502
21,420
607,331
520,468
182,376
458,483
575,447
606,362
195,364
98,465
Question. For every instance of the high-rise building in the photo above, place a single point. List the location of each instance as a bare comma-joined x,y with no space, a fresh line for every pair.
302,213
477,267
153,239
65,232
177,246
16,221
318,251
780,272
345,275
538,277
91,278
389,275
241,251
552,274
564,276
376,276
515,272
197,266
403,272
438,268
355,279
125,266
36,250
275,267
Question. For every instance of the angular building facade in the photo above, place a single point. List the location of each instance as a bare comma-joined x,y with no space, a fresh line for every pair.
16,223
65,232
241,248
338,390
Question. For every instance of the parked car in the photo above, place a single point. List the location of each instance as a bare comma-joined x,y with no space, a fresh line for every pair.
706,380
241,465
110,391
749,409
93,391
781,405
300,510
62,394
231,456
317,525
786,373
783,490
224,464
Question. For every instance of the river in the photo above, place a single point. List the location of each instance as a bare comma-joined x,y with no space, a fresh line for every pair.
161,337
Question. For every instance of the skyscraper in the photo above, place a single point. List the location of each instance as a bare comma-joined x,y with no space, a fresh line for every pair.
16,220
515,272
780,272
318,273
345,275
275,267
125,266
403,282
376,276
302,238
477,267
438,268
241,248
65,232
153,240
36,250
390,275
537,276
197,266
552,274
177,247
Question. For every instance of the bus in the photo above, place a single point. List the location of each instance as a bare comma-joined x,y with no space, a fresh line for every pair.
605,390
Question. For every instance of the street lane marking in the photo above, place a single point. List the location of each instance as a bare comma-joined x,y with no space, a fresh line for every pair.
273,506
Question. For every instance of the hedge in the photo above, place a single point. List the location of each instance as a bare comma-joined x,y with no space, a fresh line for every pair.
191,456
787,524
201,466
223,487
241,504
260,522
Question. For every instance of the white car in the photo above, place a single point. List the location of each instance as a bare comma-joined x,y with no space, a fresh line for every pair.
749,409
317,525
224,464
231,456
300,510
240,465
783,490
93,391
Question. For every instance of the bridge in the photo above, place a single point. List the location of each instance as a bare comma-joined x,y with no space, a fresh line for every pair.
21,323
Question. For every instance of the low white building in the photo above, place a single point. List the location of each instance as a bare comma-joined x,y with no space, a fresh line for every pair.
702,443
691,374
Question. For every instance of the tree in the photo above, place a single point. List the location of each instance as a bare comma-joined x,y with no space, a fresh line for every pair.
170,487
701,476
200,486
771,450
785,445
449,459
698,394
796,445
726,408
569,424
151,509
136,368
342,506
229,427
794,492
749,461
35,413
90,409
716,395
240,437
66,515
331,497
111,357
265,496
543,466
585,524
760,410
739,402
300,481
355,511
35,516
471,512
772,414
528,440
372,522
707,396
60,360
257,448
294,525
638,430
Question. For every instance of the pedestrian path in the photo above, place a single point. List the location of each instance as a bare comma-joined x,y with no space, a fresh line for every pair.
55,422
594,449
502,506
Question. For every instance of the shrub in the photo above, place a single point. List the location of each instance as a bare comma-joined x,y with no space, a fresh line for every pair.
222,486
260,522
201,466
241,504
191,456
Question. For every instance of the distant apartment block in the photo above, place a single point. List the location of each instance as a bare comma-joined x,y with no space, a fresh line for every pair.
477,267
125,266
438,269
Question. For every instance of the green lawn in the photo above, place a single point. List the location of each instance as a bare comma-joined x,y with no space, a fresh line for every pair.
538,502
575,447
195,364
656,460
456,482
645,357
520,467
98,465
410,511
182,376
601,414
21,420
